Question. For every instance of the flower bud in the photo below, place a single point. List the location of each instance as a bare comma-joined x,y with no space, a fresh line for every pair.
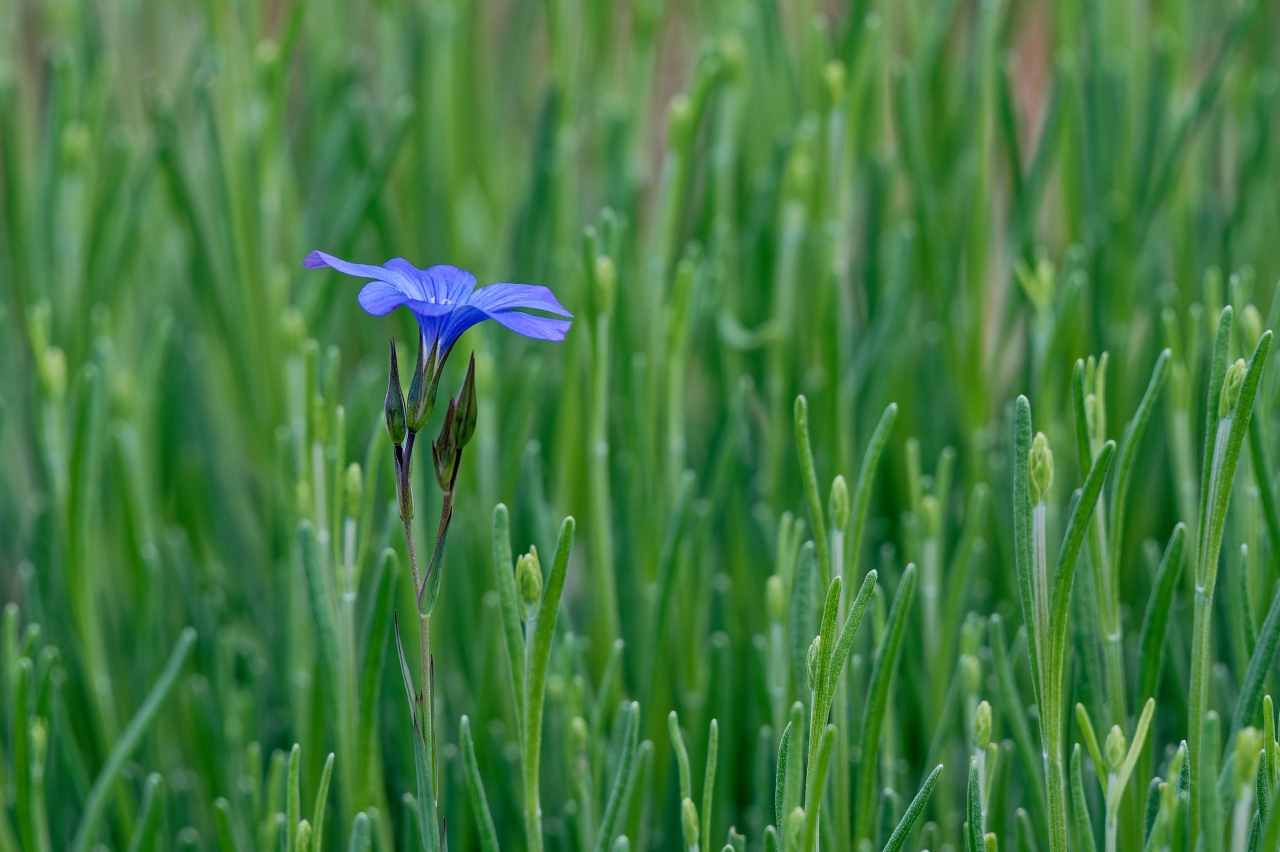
53,372
775,602
679,121
422,387
930,514
1040,468
689,821
578,735
972,674
529,578
293,329
795,829
393,407
606,284
1231,388
834,76
1091,414
1248,750
468,408
838,504
815,654
443,450
982,726
355,489
1251,323
733,52
1114,749
304,835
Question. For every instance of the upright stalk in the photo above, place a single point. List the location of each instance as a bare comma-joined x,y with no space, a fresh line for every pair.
1231,393
1046,604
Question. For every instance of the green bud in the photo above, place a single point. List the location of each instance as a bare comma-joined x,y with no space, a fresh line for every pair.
1091,414
293,329
1037,283
76,143
679,121
468,408
354,488
422,387
393,407
53,372
815,653
39,744
972,674
606,284
990,842
1040,468
444,450
833,75
1114,749
1251,323
930,514
795,829
775,602
982,725
838,504
733,52
1231,388
798,178
304,835
578,736
529,578
689,821
1248,750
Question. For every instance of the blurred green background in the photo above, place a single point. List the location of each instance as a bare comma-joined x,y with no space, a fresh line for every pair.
940,204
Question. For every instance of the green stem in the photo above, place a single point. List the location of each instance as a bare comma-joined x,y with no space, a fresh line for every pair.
1197,702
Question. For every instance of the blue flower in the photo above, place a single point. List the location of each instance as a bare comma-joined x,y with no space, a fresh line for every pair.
446,302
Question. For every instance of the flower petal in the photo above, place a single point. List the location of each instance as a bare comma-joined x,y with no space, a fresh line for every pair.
394,275
530,325
500,297
380,298
460,319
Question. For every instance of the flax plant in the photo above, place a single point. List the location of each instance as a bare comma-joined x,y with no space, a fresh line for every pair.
1046,608
816,252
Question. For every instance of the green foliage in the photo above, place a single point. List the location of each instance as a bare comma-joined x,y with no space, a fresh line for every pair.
828,263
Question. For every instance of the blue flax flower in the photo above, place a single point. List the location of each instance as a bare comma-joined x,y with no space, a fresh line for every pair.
446,302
